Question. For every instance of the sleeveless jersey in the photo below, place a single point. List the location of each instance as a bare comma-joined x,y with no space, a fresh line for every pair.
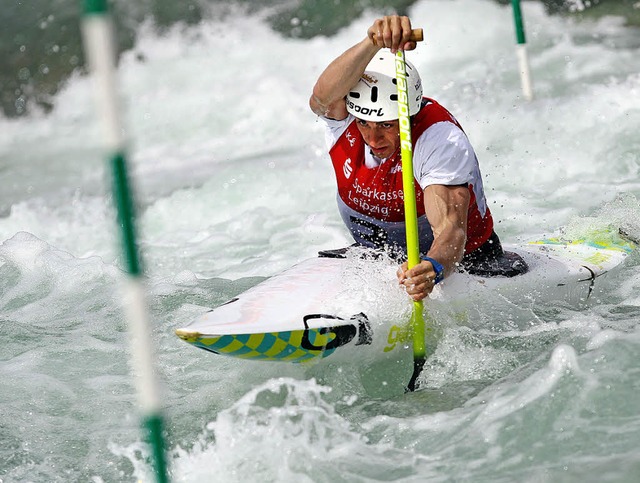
371,200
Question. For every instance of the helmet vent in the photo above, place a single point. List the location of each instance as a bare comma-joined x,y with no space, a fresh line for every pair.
355,95
394,97
374,94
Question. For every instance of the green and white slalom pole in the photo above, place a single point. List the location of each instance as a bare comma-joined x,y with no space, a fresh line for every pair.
410,214
97,30
521,51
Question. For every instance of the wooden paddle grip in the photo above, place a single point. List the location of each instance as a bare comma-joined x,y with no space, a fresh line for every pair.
417,35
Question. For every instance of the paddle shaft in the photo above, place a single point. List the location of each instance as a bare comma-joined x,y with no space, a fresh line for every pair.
410,212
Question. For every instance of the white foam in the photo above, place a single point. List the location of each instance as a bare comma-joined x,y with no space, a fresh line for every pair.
233,180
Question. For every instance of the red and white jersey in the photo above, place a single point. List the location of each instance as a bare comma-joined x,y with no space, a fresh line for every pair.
370,192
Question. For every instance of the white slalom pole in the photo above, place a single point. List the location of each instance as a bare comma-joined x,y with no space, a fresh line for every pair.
521,52
99,44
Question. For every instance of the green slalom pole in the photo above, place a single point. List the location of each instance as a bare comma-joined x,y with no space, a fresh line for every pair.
97,30
410,214
521,51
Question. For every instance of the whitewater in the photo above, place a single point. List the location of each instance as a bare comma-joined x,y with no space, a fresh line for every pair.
234,185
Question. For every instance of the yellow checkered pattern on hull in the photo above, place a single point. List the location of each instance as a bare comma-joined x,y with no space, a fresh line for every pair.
274,346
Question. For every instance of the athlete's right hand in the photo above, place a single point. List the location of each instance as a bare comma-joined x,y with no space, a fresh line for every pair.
418,281
392,32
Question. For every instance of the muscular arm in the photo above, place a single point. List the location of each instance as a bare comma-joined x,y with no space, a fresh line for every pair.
446,208
341,75
328,98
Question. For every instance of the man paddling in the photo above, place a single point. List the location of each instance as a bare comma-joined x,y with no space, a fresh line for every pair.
356,96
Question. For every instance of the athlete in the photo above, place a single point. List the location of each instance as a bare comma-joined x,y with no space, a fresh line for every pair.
356,96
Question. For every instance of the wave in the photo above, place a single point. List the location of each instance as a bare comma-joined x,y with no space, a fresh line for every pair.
40,45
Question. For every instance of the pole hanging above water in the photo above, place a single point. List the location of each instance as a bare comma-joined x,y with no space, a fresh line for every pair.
97,30
521,51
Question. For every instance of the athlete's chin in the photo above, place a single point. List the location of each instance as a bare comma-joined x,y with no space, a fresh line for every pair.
382,152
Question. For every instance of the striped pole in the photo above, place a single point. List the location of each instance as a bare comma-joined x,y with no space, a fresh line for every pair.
521,51
410,213
97,30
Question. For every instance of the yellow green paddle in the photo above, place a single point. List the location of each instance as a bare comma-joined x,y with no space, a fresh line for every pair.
410,213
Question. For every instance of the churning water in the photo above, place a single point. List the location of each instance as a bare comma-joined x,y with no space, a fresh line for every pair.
234,185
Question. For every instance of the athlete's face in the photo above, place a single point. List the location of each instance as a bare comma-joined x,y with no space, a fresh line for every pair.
382,137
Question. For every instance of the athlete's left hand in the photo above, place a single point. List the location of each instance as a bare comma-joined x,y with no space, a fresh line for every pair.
392,32
419,281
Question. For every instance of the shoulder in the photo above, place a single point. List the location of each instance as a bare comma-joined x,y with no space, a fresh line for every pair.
335,128
432,112
336,123
443,135
444,155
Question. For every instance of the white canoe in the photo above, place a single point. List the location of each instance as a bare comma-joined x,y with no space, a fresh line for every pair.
327,307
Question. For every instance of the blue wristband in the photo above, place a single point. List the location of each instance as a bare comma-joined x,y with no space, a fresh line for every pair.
437,267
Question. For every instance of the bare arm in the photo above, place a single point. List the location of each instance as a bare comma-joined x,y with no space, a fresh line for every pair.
341,75
344,72
446,208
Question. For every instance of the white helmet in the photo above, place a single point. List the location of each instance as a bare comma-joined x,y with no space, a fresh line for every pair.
375,96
